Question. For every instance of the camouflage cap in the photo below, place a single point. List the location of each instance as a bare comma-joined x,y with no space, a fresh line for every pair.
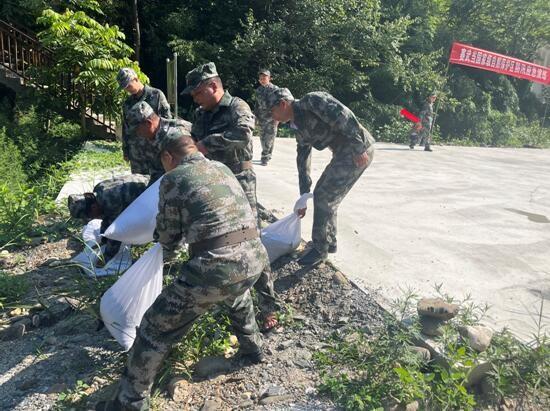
264,71
137,114
277,95
78,206
172,136
124,76
198,75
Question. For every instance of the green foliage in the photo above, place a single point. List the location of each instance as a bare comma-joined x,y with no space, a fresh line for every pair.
209,336
12,288
11,162
362,372
91,53
71,396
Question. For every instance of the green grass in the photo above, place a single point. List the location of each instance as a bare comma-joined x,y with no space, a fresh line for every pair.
12,288
22,207
370,372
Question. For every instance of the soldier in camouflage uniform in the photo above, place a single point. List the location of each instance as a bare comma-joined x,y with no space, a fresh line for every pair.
108,200
200,203
223,130
426,120
321,122
268,126
136,150
142,121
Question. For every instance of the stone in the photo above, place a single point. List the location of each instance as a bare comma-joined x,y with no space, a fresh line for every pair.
246,404
211,405
51,340
423,354
13,332
179,389
437,308
210,366
233,340
343,320
340,278
431,326
57,388
4,254
15,312
275,399
310,391
413,406
272,390
477,336
478,372
28,384
285,344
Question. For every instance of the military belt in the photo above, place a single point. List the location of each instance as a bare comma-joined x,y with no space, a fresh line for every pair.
232,238
239,167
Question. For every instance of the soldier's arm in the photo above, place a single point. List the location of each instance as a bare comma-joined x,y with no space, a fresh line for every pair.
340,118
239,132
163,107
303,162
170,228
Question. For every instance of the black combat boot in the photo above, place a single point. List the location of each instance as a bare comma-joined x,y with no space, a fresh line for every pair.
313,257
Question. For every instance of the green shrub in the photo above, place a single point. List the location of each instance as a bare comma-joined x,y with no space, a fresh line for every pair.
11,162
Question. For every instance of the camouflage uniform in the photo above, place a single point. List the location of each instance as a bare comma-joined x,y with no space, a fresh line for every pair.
322,121
113,196
226,132
142,159
199,200
268,126
426,118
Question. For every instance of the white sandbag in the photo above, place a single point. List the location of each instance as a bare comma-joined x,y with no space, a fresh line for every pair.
87,260
284,235
136,224
90,232
124,304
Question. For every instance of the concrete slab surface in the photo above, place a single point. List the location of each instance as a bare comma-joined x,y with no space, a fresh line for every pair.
476,220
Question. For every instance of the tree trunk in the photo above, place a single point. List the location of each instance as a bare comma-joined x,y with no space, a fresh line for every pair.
137,34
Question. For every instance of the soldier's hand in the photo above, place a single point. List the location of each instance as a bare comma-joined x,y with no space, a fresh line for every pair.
361,160
201,148
301,212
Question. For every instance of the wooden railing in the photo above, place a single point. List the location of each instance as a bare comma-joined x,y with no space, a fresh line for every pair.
20,51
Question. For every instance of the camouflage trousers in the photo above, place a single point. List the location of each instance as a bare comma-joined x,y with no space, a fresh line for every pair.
425,137
168,320
267,300
334,184
268,132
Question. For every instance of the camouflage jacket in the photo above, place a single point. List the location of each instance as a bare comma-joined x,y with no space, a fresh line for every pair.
226,131
321,122
116,194
201,199
156,99
427,115
261,111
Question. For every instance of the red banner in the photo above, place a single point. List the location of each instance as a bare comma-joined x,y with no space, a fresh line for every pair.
408,115
487,60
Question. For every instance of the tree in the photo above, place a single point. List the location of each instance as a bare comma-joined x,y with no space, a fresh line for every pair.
88,56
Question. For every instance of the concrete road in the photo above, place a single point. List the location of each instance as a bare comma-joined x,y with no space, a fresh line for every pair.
473,219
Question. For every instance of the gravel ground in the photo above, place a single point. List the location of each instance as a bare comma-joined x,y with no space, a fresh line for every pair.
53,356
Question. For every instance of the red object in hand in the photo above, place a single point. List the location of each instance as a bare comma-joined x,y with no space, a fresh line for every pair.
409,116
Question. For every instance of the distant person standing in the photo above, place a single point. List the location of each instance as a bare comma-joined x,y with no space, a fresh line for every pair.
268,126
426,121
137,150
324,122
